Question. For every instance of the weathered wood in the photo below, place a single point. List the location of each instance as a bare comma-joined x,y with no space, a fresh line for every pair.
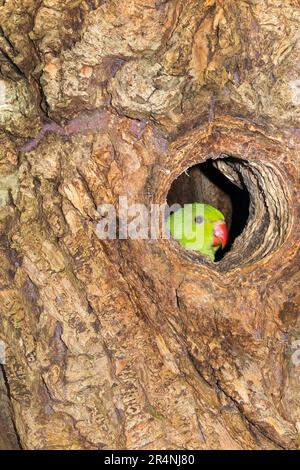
134,343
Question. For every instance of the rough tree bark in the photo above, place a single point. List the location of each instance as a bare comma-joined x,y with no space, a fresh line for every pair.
140,344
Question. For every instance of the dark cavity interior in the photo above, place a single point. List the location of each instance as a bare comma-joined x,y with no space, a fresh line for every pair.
206,183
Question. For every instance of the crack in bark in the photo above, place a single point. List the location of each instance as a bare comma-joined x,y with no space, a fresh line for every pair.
8,392
217,385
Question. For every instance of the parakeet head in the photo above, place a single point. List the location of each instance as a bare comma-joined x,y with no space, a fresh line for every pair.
199,227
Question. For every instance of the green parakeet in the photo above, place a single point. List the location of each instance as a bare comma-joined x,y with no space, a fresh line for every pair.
199,227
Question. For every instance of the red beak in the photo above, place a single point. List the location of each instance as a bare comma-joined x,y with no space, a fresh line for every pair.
221,234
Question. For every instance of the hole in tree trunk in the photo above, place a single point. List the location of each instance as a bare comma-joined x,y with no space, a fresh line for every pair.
251,195
207,184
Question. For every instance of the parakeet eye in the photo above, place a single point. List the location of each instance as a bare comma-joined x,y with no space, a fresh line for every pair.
199,219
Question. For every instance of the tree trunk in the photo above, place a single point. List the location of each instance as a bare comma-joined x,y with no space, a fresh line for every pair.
141,344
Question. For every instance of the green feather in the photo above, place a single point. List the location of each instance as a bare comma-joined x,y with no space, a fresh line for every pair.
194,235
